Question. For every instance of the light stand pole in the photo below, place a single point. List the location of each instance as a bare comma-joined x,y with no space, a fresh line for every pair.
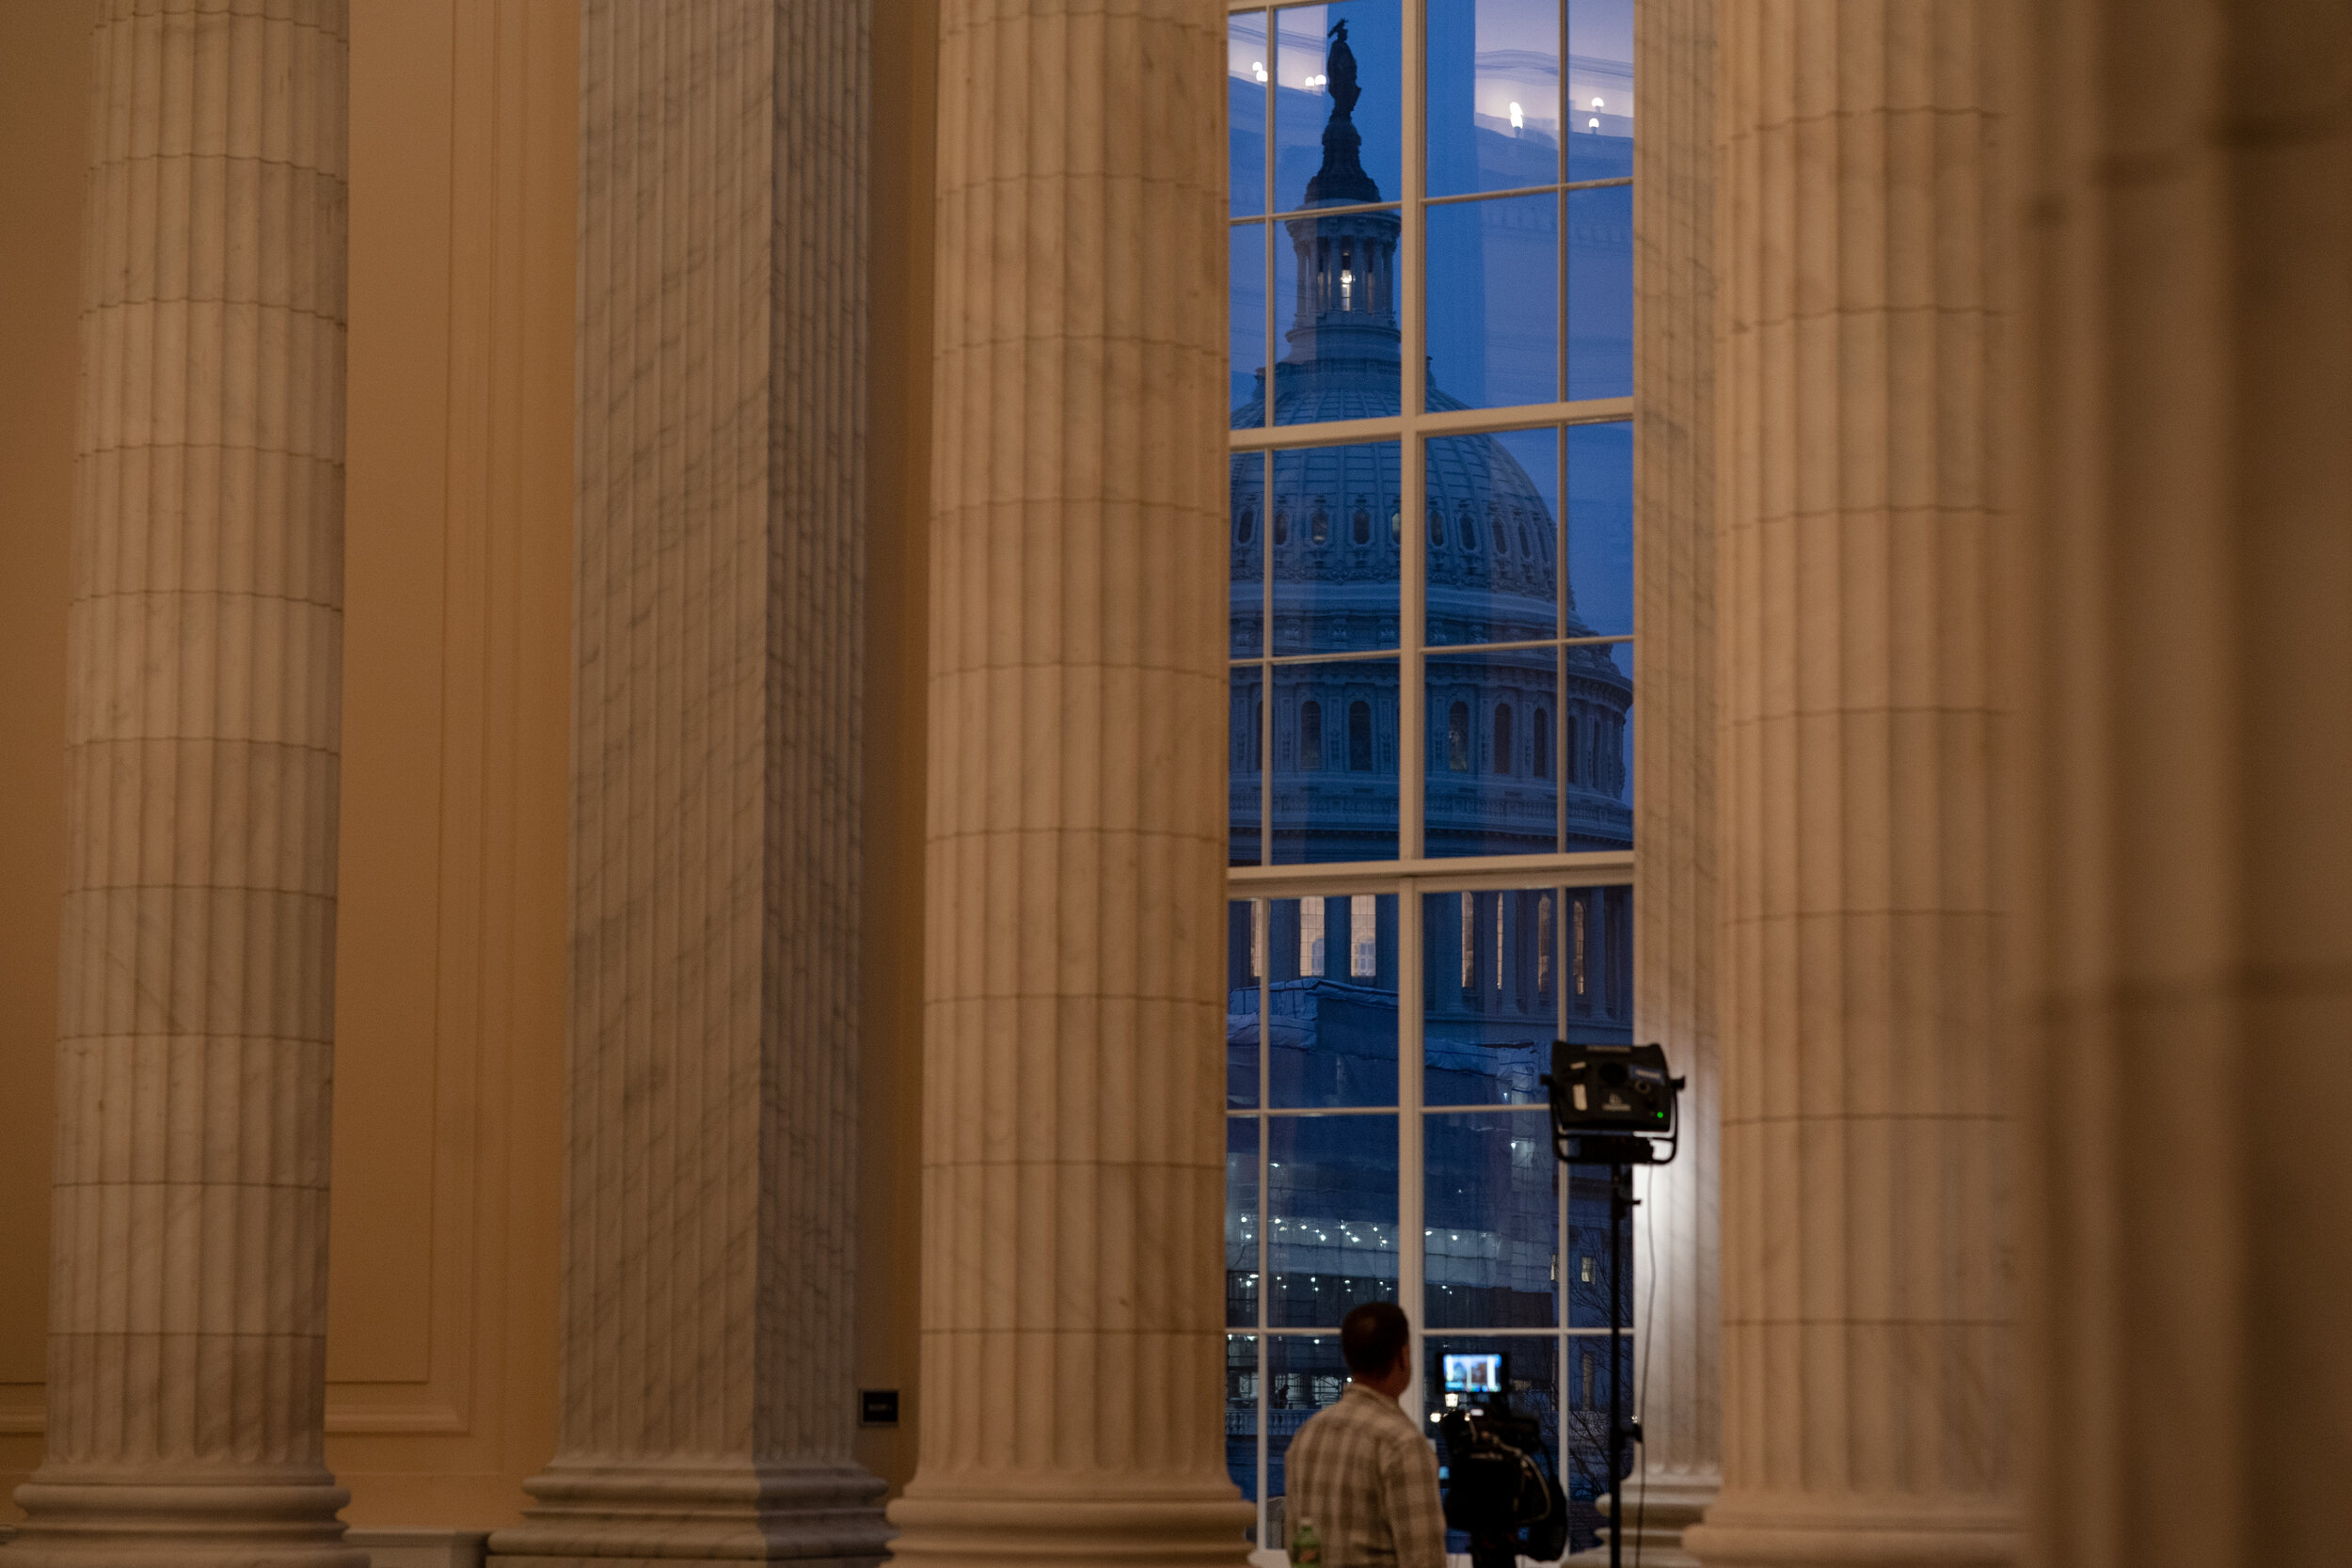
1614,1105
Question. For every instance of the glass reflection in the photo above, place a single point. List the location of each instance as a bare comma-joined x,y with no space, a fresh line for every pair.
1245,920
1331,1024
1585,1417
1241,1222
1506,971
1586,1266
1244,321
1247,85
1491,1213
1598,587
1332,1206
1333,530
1597,746
1491,787
1246,530
1241,1414
1245,725
1491,539
1334,743
1600,90
1493,300
1600,292
1494,95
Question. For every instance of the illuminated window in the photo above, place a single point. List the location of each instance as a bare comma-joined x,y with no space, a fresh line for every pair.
1458,315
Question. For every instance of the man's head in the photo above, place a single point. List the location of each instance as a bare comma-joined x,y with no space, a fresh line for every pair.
1378,1343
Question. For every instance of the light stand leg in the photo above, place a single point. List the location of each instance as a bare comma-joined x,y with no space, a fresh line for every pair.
1620,1223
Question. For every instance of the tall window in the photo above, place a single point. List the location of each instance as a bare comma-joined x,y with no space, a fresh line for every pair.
1437,184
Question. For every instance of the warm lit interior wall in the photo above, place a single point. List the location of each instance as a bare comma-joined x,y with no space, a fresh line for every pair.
44,90
898,468
448,1020
447,1128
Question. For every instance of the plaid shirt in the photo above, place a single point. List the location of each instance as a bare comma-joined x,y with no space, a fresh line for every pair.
1369,1482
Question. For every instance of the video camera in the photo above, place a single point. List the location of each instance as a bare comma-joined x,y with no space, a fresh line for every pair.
1496,1488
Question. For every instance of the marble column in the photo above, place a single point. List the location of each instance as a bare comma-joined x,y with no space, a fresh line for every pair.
1677,914
186,1385
1074,1151
1867,1352
706,1398
2187,1386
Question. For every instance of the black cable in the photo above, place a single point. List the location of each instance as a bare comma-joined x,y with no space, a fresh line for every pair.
1641,1380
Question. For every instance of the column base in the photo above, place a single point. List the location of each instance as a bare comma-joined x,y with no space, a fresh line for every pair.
825,1515
1657,1510
1813,1531
1024,1521
83,1521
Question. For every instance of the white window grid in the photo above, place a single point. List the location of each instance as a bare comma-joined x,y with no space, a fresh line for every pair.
1412,874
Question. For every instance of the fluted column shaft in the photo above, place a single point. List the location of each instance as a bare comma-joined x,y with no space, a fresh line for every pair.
707,1399
187,1386
1678,916
1073,1151
2187,1386
1866,1299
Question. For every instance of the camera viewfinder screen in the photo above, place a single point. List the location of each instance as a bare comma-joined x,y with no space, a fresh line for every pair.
1474,1375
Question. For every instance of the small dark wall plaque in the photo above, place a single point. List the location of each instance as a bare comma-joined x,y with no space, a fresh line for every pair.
878,1407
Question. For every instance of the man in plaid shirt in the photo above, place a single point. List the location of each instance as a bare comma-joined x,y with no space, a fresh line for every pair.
1359,1470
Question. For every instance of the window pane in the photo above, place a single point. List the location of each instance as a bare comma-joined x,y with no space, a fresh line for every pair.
1531,1380
1491,990
1333,1002
1494,95
1493,292
1330,1217
1246,325
1587,1260
1324,808
1596,965
1241,1414
1334,536
1247,723
1242,919
1488,527
1600,87
1328,150
1584,1417
1246,81
1245,526
1484,794
1600,292
1492,1214
1596,744
1303,1374
1335,323
1241,1222
1599,584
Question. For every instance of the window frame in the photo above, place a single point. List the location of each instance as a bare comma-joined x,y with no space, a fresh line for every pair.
1412,875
